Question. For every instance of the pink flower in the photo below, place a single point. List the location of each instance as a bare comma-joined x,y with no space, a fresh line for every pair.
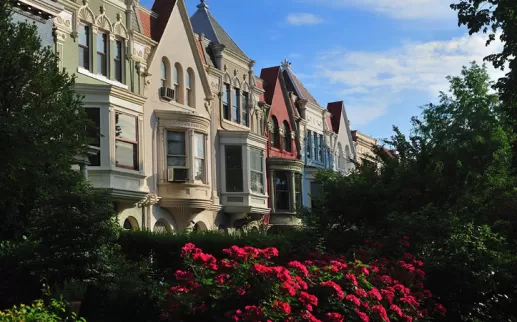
307,316
270,252
222,278
351,277
440,309
360,292
183,276
334,317
241,291
307,298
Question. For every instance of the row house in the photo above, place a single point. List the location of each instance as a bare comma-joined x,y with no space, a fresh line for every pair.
188,136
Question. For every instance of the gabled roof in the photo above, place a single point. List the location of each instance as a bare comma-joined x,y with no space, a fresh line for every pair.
164,9
293,84
270,77
204,23
335,109
146,20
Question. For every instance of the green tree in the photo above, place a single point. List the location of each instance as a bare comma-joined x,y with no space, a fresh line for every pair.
53,222
496,18
451,189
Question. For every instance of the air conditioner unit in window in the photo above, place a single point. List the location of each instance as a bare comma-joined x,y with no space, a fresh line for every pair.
177,174
167,93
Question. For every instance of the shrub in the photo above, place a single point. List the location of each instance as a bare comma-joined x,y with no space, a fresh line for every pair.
246,285
54,311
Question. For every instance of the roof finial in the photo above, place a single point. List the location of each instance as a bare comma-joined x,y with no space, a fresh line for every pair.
202,5
286,63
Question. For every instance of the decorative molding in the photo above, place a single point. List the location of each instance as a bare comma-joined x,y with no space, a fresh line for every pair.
103,22
285,164
183,120
85,14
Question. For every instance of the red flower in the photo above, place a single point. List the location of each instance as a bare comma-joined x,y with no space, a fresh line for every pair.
374,294
362,316
222,278
334,317
360,292
352,298
187,249
420,274
183,276
301,283
282,307
269,252
381,311
339,291
307,316
228,263
440,309
307,298
288,288
351,277
241,291
396,309
300,267
388,294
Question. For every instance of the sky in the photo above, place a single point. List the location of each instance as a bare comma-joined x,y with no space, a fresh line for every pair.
383,58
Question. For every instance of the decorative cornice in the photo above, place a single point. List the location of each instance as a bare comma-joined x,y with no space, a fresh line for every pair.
119,194
184,120
275,163
110,90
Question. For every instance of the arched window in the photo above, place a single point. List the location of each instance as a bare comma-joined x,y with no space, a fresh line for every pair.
348,156
189,87
275,135
161,226
164,72
287,137
131,223
177,78
339,156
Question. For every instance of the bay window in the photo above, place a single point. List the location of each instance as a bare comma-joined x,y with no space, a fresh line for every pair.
94,134
226,101
176,149
298,190
256,171
126,141
199,156
236,106
102,50
282,195
84,46
234,175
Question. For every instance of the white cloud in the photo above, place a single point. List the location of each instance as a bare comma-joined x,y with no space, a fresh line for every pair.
371,82
300,19
399,9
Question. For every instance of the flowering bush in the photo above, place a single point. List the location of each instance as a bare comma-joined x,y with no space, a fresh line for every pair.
248,286
55,311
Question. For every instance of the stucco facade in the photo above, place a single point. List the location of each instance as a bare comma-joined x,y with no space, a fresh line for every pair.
343,148
177,127
104,45
364,145
238,120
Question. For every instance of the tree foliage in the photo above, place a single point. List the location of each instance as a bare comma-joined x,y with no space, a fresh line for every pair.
451,189
53,222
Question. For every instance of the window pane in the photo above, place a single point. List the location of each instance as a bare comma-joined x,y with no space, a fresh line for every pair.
175,75
125,154
101,43
125,127
163,70
256,182
188,80
236,105
176,143
84,32
199,167
226,107
94,134
282,191
256,160
118,49
199,145
234,180
176,161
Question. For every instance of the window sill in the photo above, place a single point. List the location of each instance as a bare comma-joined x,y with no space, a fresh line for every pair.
244,127
133,173
101,78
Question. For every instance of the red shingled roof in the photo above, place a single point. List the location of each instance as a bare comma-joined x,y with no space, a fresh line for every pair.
145,19
336,109
270,77
328,120
199,43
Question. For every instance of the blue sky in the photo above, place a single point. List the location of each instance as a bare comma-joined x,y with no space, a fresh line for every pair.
383,58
